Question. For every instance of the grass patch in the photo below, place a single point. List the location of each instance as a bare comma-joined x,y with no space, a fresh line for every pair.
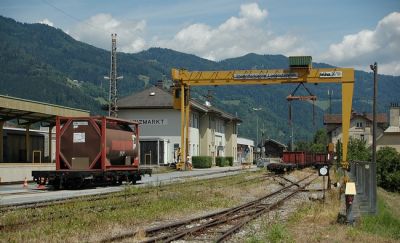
279,233
276,232
316,222
385,223
132,208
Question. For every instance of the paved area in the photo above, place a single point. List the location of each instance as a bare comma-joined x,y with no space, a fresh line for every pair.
17,194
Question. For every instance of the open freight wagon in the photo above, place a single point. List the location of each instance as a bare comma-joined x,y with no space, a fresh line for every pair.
94,151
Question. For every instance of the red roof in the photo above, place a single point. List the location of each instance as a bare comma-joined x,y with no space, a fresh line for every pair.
337,118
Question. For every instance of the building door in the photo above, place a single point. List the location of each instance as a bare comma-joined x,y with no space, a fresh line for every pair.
151,152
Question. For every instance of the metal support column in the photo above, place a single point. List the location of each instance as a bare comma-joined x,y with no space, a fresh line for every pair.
1,142
28,144
187,124
182,151
158,151
50,142
347,99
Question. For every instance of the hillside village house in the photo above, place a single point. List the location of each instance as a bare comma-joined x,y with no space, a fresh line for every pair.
212,132
360,126
391,136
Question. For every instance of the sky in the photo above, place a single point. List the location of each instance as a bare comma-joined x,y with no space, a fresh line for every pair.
346,33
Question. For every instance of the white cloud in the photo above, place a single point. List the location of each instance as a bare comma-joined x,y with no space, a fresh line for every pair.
367,46
237,36
46,21
97,31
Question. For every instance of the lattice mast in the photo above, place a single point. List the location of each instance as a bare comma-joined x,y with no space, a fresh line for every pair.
113,94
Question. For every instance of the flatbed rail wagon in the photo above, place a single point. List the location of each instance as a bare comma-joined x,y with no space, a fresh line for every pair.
94,151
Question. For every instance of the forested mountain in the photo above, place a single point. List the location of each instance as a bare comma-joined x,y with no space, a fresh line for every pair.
43,63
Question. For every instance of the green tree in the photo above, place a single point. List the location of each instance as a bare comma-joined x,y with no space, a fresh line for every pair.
388,168
321,137
339,151
357,150
302,146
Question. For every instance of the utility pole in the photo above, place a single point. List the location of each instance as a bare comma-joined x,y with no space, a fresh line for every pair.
330,93
374,68
257,109
112,95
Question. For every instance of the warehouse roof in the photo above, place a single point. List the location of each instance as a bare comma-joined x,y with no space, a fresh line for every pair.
29,111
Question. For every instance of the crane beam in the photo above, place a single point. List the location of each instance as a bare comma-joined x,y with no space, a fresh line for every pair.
267,76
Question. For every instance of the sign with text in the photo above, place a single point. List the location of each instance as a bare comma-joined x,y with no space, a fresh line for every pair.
152,122
333,74
265,75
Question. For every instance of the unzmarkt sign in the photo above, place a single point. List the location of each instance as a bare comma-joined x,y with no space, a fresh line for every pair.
153,122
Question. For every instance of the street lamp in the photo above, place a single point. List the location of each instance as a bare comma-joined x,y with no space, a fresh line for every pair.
374,68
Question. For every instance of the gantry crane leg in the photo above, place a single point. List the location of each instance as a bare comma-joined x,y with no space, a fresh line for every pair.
347,98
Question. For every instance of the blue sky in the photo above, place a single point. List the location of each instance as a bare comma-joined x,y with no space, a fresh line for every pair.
344,33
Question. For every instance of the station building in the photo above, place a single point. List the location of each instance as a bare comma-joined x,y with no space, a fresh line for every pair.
391,135
212,131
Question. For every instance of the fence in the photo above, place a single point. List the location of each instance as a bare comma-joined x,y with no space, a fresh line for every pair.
363,173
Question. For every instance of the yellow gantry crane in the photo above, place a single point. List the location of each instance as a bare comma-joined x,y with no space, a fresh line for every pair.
300,71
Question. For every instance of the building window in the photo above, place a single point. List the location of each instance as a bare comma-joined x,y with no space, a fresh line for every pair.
359,124
212,123
220,126
362,137
194,120
235,128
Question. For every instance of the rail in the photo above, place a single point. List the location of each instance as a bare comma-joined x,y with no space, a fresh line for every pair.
240,215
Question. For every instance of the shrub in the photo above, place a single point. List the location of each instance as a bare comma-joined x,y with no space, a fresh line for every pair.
218,161
201,161
230,160
388,168
224,161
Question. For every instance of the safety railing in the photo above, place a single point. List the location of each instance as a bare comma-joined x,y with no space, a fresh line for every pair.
363,173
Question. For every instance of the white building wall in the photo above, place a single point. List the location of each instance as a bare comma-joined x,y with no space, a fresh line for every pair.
156,124
164,124
194,141
358,129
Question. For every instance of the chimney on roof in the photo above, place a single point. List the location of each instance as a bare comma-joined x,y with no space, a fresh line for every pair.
394,113
160,84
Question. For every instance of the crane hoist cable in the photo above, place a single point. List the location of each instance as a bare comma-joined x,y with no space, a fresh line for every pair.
293,97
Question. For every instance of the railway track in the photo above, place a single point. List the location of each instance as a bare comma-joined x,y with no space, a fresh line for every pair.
217,227
131,197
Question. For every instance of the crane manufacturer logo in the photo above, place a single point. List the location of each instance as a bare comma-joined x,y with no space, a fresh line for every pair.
332,74
265,75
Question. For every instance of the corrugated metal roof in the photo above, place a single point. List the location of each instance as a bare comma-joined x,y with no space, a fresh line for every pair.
300,61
